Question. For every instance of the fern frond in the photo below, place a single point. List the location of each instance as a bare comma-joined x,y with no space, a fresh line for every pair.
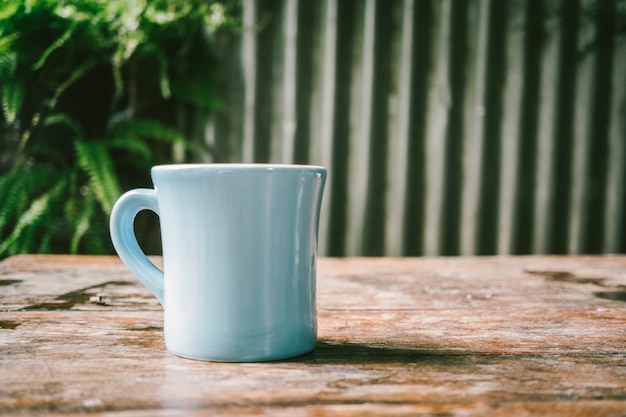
66,36
24,241
164,80
45,242
81,229
95,161
72,205
12,99
9,201
136,137
6,44
149,129
196,93
132,144
128,43
18,190
78,73
82,224
12,90
38,235
8,9
18,240
66,120
97,244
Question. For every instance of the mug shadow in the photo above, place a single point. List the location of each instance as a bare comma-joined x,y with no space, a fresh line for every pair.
334,352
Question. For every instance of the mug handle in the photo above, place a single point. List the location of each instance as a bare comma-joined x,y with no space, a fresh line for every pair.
125,242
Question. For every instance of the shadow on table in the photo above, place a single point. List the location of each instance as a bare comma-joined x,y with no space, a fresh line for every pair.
327,351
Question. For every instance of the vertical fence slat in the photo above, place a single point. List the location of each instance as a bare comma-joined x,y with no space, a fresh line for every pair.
598,134
579,185
548,115
307,48
453,140
249,64
224,131
562,159
275,93
399,137
614,223
510,136
358,159
475,111
349,15
424,28
448,126
379,122
284,142
487,215
534,43
325,112
439,97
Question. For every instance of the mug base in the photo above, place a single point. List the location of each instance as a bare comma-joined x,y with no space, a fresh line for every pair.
264,358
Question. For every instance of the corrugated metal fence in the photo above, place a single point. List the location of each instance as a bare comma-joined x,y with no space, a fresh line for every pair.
449,127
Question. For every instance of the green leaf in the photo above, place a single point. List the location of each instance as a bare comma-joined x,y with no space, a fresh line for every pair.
164,83
18,189
94,160
6,44
64,119
150,129
45,242
12,87
29,220
12,99
82,225
8,9
134,144
55,45
78,73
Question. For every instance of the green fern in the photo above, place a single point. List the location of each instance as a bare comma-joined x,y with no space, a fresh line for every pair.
65,120
33,218
95,161
68,169
83,223
17,190
8,57
55,46
139,137
132,144
74,76
10,198
124,134
12,99
12,87
8,8
45,244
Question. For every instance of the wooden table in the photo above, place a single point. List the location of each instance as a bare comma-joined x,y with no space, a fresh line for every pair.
502,336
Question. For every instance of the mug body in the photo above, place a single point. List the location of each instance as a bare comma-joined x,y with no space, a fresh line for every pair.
239,253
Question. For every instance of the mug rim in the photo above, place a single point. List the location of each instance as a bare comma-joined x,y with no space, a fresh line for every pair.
236,166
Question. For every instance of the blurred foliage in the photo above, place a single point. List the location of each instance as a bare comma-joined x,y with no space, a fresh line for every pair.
93,93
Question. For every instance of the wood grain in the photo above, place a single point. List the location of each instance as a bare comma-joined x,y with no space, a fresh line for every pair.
434,336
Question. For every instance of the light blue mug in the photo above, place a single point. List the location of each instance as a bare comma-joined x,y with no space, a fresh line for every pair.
239,255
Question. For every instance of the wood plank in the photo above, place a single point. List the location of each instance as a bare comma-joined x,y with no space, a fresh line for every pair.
42,282
459,336
91,283
117,360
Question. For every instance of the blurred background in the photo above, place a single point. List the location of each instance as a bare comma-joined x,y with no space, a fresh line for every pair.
449,127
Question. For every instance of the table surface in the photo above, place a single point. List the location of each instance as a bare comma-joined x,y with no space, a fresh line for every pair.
498,336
